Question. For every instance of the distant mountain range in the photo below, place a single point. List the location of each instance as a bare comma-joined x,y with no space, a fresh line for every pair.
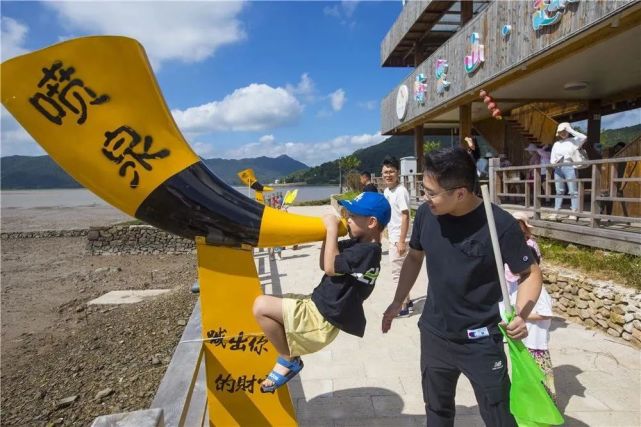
26,172
610,137
23,172
371,159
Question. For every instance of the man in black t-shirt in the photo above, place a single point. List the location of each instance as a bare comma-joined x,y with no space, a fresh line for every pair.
366,182
298,326
459,324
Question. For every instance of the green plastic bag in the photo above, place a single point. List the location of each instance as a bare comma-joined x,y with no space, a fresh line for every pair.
530,402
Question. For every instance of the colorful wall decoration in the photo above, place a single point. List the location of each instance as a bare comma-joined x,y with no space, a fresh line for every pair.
440,71
402,96
420,89
506,30
548,12
473,61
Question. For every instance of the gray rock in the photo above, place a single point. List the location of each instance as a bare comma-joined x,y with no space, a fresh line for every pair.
103,393
615,327
67,401
617,318
614,333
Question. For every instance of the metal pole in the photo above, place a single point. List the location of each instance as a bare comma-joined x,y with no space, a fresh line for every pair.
497,250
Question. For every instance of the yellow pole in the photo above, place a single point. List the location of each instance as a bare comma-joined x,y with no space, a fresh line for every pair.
237,355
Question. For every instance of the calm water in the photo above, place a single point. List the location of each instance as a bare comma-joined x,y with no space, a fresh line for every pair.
82,197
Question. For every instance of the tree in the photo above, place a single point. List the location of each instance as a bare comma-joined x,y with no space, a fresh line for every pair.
429,146
347,163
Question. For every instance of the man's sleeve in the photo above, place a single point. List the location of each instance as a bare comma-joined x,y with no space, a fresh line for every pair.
514,249
415,239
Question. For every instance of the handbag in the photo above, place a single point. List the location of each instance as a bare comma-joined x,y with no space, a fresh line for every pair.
580,155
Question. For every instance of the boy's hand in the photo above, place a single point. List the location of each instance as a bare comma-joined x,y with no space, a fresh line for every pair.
389,315
331,221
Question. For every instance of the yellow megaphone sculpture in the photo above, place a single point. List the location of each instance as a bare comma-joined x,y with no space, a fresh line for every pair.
94,105
248,178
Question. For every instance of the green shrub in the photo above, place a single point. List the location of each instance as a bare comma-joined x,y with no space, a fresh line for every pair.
597,263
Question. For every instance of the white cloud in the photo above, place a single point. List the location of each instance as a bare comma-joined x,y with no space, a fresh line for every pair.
620,120
14,140
256,107
368,105
184,31
305,87
13,38
204,149
337,99
349,7
342,12
313,153
332,11
266,139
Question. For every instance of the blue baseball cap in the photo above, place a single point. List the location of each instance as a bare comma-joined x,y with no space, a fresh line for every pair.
369,204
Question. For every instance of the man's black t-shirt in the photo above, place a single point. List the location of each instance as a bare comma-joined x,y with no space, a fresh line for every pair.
340,298
370,187
463,283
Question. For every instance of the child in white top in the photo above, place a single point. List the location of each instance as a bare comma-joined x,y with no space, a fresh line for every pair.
539,321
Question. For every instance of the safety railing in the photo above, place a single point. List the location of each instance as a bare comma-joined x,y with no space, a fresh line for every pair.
610,191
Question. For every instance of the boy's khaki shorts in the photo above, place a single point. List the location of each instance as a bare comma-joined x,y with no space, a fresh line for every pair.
306,329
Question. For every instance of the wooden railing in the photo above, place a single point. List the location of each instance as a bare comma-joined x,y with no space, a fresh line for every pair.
530,190
602,189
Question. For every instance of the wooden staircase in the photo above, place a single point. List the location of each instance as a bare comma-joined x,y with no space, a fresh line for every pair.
533,124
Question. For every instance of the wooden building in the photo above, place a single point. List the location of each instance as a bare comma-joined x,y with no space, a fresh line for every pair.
582,61
542,62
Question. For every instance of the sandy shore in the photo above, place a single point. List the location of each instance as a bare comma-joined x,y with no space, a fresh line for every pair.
55,346
59,218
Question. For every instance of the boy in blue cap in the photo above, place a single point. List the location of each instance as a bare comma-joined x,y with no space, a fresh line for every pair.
298,326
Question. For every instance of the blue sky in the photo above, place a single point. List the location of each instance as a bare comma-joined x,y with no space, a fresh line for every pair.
243,79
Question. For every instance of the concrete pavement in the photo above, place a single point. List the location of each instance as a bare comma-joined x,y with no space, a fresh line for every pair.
375,381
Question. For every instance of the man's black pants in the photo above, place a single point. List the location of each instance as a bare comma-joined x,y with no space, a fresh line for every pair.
482,361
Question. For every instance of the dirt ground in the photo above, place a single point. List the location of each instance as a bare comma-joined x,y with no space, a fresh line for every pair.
64,362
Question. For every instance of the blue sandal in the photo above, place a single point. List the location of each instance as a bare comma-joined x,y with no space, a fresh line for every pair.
278,380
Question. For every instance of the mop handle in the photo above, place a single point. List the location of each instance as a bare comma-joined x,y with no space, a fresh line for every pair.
487,204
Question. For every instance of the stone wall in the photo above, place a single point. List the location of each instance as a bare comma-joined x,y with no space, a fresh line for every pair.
44,234
135,239
595,303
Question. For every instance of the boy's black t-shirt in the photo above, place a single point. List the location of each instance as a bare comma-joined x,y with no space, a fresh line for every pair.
463,283
340,298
